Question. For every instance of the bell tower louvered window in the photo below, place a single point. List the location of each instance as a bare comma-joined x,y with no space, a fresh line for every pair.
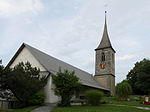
103,57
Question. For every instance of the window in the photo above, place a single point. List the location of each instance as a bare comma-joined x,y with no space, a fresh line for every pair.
113,58
103,57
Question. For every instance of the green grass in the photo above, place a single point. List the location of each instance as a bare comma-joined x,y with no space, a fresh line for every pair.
132,101
101,108
28,109
107,107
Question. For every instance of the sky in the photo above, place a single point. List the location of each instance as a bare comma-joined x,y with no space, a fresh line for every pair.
70,30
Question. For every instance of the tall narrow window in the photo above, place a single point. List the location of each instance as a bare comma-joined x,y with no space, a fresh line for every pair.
113,58
103,57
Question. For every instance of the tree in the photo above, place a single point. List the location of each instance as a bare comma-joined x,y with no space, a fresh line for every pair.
24,81
123,89
139,77
4,93
66,83
0,61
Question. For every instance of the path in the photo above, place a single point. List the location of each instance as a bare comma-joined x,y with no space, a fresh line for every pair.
45,108
144,108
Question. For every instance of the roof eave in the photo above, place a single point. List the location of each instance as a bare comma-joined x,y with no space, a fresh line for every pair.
105,48
97,87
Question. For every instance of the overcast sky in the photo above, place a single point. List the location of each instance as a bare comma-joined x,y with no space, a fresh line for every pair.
70,30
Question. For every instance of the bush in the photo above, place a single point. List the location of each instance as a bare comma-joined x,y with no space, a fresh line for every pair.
93,97
123,90
37,99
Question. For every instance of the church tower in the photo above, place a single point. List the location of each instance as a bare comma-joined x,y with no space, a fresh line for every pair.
105,62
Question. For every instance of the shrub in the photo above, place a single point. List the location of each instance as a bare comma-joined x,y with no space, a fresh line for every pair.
123,90
37,99
93,97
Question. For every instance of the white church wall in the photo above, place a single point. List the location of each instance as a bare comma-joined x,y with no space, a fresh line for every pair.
25,56
54,98
49,90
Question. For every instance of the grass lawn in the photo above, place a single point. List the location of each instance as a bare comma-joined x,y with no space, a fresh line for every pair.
107,107
28,109
101,108
132,101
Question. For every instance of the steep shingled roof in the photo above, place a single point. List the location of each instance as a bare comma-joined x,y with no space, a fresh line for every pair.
105,41
52,65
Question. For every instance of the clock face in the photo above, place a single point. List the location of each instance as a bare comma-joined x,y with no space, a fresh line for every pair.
102,65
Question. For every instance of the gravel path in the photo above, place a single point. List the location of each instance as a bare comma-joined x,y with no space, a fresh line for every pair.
144,108
46,108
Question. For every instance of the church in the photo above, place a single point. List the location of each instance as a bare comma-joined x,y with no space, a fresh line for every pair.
103,79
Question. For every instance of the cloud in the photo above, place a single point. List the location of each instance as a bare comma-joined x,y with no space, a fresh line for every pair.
88,62
11,8
125,57
71,30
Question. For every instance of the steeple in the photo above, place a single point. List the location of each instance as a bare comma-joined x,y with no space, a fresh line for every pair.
105,62
105,41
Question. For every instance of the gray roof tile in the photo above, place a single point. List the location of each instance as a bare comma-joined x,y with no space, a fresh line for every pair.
105,42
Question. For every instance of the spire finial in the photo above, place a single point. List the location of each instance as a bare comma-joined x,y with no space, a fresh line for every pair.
105,16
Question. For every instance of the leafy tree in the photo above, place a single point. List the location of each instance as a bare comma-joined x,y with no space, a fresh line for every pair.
139,77
4,93
1,72
93,97
1,89
123,90
24,81
66,83
0,61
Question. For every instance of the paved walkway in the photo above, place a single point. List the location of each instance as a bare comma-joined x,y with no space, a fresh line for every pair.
144,108
46,108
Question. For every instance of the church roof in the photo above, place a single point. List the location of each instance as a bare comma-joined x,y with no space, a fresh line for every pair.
52,65
105,41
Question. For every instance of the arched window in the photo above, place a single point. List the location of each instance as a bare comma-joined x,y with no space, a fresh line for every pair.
103,57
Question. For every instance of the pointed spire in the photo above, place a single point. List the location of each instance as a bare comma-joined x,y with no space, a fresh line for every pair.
105,41
105,18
